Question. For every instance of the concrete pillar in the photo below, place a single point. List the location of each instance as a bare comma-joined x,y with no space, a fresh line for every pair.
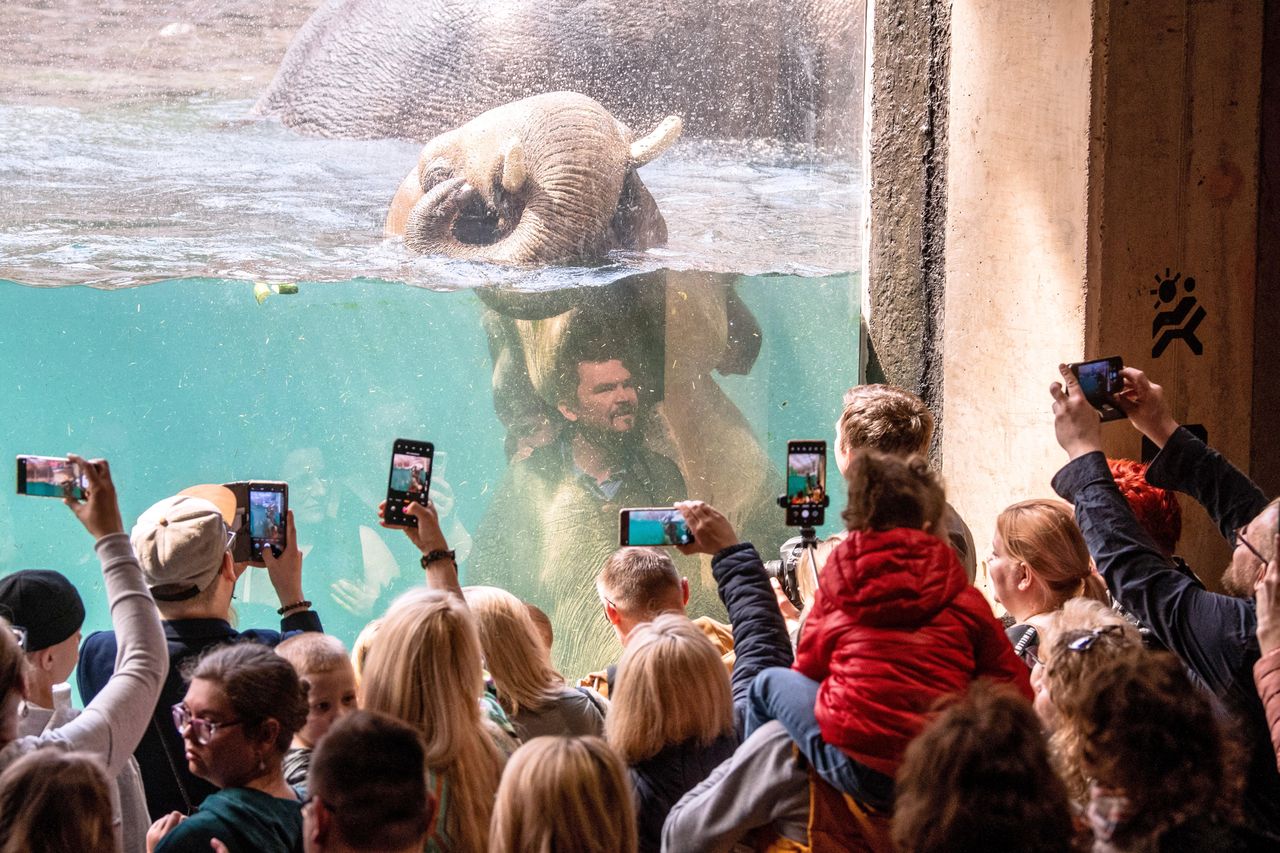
1092,146
1016,244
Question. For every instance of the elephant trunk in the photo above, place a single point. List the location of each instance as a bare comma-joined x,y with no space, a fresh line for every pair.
551,201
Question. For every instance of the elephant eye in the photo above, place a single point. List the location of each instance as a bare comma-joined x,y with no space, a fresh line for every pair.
436,172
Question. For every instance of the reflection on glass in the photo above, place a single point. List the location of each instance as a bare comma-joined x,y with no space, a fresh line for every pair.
553,399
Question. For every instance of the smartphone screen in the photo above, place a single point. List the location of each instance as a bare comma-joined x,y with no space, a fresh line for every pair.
51,477
1099,380
268,503
806,482
410,479
653,526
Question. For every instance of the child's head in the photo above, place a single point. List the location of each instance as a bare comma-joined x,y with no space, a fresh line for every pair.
325,670
890,491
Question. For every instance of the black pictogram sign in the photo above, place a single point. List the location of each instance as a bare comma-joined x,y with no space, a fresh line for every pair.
1181,322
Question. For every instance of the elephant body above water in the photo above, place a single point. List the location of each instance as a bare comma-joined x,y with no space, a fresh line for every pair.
741,69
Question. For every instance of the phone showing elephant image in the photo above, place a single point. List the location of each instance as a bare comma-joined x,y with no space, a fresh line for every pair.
653,526
409,480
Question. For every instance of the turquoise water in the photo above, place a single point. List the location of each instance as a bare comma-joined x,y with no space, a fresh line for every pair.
131,239
193,381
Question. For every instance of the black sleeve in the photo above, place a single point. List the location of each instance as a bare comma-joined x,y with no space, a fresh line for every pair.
1213,634
759,632
1186,464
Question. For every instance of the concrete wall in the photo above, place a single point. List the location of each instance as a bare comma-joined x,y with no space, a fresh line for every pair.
1174,194
1017,223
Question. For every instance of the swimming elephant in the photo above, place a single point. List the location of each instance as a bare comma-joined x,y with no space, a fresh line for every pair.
547,179
733,69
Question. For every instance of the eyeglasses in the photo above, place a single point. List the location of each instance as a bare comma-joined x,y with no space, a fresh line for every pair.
202,731
1086,640
1245,542
231,538
19,634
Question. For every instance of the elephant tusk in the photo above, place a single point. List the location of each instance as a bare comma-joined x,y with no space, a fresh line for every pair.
513,173
658,140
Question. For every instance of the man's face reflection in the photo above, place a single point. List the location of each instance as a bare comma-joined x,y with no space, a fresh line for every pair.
606,399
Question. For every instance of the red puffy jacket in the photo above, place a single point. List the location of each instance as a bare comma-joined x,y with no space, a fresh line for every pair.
894,626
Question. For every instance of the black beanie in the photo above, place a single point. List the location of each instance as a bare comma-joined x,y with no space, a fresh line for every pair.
43,602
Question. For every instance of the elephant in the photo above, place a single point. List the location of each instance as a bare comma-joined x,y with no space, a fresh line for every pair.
547,179
789,70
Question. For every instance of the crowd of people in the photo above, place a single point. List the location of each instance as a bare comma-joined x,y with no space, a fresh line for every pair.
1117,705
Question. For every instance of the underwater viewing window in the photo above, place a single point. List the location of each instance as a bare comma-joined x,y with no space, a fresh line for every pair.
203,293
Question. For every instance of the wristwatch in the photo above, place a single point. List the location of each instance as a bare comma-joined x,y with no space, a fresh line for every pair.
432,557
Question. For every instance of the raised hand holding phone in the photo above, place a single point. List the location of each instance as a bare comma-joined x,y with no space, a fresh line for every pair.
99,512
409,480
1075,421
712,531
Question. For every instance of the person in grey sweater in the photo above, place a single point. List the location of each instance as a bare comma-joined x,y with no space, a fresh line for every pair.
113,723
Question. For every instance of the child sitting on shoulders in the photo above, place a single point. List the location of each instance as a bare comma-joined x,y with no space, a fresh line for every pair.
326,673
894,626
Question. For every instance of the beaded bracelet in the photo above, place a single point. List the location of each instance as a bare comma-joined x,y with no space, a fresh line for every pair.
297,605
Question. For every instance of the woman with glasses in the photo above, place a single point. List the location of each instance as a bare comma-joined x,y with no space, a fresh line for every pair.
237,720
1083,636
111,725
1039,561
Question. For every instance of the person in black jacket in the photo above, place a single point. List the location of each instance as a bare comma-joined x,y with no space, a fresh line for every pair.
1213,634
675,713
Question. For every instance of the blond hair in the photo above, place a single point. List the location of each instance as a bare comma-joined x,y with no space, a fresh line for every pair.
671,686
55,800
564,793
1042,533
640,581
360,648
884,418
1067,674
313,653
514,654
425,669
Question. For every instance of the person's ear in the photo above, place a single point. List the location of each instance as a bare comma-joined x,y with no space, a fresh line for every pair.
269,730
43,659
1025,580
684,591
567,411
611,613
316,825
228,568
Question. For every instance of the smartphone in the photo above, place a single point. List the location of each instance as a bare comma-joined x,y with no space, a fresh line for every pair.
410,479
657,525
268,505
806,498
51,477
1100,379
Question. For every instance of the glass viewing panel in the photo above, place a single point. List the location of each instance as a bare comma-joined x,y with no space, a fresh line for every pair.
202,296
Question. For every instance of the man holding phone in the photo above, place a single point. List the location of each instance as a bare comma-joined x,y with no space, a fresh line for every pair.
184,544
1213,634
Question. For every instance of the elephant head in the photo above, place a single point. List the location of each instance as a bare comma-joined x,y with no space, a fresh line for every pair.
546,179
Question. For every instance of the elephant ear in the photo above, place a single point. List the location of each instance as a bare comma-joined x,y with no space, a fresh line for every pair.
656,141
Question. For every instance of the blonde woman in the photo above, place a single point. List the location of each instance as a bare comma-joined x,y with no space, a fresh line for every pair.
425,669
531,691
1039,561
564,794
671,717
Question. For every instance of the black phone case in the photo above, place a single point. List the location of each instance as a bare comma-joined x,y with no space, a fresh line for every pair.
394,513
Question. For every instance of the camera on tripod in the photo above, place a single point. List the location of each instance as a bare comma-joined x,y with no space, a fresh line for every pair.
786,570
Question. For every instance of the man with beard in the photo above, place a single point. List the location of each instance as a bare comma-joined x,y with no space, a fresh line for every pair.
554,519
1213,634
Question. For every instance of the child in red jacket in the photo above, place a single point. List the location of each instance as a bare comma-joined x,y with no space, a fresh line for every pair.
894,626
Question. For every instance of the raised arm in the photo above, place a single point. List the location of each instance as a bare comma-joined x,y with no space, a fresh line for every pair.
119,714
759,632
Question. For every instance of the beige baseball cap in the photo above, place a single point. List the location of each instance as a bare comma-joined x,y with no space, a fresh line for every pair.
180,542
